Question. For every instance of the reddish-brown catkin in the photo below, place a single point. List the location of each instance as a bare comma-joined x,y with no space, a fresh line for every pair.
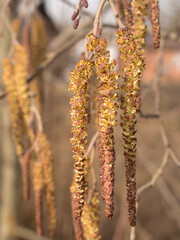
26,175
76,222
154,10
128,17
90,216
38,188
45,156
79,85
130,92
139,25
107,111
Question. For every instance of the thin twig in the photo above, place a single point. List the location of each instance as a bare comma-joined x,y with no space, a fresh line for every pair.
93,140
27,234
38,118
74,6
97,17
116,14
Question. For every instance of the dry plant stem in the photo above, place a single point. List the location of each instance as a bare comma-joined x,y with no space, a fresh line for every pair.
98,16
38,118
165,192
94,181
27,234
116,14
91,145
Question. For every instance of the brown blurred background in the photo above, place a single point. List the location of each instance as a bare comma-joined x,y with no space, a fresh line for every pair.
159,207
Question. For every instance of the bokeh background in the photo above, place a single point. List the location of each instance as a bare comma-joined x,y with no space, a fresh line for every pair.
159,207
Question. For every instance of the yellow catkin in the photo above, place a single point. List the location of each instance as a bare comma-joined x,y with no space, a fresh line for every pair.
16,25
20,129
129,100
90,217
38,187
37,46
45,155
20,76
31,33
140,11
15,112
79,85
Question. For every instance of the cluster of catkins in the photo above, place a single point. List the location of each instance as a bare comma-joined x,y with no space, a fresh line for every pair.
30,31
135,13
131,41
32,147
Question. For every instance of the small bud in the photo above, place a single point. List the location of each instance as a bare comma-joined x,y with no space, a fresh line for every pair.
75,14
76,23
85,3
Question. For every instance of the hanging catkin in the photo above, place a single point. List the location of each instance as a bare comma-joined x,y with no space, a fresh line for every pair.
38,188
128,18
19,125
154,10
90,216
45,156
139,25
37,47
79,85
130,92
31,34
8,79
76,222
107,111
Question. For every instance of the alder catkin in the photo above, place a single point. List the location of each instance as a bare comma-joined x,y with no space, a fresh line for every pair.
79,85
20,76
37,47
90,216
76,222
45,155
128,17
38,188
16,116
139,25
107,111
25,162
154,11
129,100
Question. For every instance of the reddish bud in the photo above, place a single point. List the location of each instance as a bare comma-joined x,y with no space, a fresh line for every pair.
75,14
76,23
85,3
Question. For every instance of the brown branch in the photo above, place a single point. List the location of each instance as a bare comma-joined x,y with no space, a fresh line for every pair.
27,234
97,17
116,14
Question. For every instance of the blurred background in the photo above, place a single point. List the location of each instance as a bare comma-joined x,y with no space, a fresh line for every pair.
159,206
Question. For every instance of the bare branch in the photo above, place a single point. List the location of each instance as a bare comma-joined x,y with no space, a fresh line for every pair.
93,140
